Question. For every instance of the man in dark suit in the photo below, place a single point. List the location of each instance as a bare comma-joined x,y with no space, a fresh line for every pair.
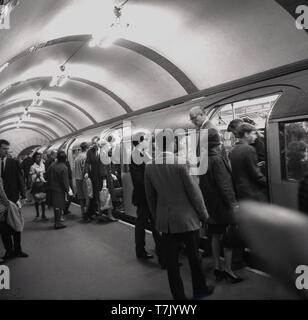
97,172
137,169
249,181
14,188
177,206
51,158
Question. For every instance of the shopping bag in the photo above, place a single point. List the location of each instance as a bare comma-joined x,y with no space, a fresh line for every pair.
15,218
88,188
105,199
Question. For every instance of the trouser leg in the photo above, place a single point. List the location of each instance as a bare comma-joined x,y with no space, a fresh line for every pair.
156,237
17,241
171,244
67,205
6,237
140,226
37,209
57,214
191,241
43,205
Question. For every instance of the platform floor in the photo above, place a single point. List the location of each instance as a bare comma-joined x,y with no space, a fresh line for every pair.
97,261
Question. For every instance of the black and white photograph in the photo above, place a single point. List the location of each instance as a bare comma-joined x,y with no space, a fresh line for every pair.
154,153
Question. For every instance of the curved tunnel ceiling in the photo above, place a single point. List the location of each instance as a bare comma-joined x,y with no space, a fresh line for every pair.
172,48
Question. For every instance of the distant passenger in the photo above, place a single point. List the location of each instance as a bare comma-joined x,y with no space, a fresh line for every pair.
200,119
297,165
139,198
176,204
97,172
69,198
58,183
220,200
51,158
80,163
250,183
259,143
37,172
26,165
13,184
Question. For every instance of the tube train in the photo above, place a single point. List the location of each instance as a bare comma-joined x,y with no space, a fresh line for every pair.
277,100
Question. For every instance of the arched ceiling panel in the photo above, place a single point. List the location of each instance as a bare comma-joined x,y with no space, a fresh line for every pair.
22,138
77,116
25,128
36,123
62,125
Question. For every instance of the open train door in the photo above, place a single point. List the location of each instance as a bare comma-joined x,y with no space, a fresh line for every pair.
287,141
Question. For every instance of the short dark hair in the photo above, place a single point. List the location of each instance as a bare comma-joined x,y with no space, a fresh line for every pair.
234,124
245,128
249,120
84,146
61,156
35,154
5,142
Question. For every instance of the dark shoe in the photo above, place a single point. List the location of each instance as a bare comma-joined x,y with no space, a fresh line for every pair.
112,219
231,278
219,275
60,226
145,256
21,255
8,256
209,290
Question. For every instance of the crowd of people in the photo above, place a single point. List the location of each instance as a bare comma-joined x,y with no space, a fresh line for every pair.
169,200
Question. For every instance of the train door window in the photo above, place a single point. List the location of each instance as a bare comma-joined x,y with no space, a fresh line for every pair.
294,149
254,110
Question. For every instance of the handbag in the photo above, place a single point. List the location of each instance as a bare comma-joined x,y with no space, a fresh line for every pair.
233,238
39,189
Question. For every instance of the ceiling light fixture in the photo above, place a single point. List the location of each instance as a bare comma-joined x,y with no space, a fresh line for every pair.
4,66
37,101
59,80
117,30
6,8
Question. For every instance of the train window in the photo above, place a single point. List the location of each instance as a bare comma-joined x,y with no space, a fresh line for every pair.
294,149
257,110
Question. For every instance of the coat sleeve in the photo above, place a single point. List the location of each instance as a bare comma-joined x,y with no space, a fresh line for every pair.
3,198
87,163
224,182
193,193
151,193
251,166
65,179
